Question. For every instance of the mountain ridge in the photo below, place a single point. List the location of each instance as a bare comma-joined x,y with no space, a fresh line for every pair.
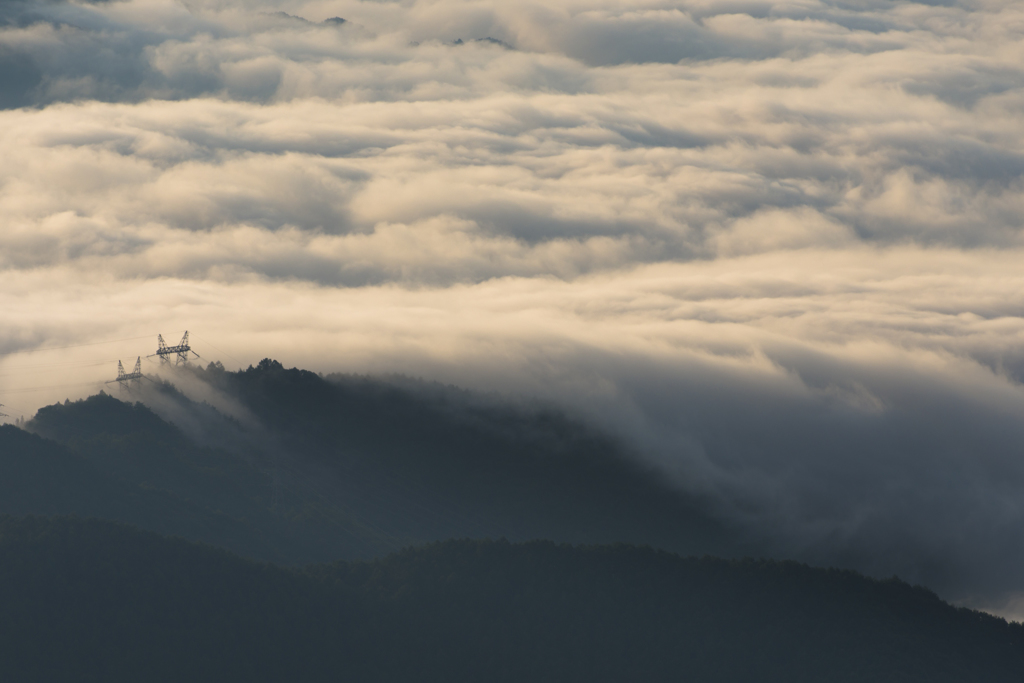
348,467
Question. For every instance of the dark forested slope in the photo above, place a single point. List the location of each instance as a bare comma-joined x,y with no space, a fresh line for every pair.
120,461
437,462
354,467
39,476
95,601
85,600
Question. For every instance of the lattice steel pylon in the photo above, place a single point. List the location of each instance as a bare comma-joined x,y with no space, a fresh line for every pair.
3,414
181,350
129,380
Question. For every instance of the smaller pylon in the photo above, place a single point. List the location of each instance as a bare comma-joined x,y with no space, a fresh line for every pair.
129,380
3,414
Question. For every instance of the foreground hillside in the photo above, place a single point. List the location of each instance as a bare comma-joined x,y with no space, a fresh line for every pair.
42,477
340,467
97,601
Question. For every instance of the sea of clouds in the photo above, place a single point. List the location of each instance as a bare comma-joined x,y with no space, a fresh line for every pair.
777,247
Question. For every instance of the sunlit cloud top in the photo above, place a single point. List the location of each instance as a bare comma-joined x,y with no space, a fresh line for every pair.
451,141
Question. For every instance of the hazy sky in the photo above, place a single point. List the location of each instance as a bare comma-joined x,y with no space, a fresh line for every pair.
777,246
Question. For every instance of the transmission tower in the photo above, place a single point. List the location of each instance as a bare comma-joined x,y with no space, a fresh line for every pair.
3,414
129,380
181,350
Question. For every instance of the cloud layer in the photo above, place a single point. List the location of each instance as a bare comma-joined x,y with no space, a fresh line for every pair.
776,246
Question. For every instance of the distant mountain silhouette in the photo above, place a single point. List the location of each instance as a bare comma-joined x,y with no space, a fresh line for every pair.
347,467
96,601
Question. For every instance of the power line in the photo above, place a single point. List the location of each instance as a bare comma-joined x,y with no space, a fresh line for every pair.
207,342
53,386
16,409
59,366
73,346
58,363
181,350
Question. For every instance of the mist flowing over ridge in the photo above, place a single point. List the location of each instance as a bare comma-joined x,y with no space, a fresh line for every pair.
773,248
314,470
364,465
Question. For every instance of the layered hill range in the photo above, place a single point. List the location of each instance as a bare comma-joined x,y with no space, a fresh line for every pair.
303,491
86,600
313,469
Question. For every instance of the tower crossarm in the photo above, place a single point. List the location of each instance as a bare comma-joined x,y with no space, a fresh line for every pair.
181,350
128,379
171,350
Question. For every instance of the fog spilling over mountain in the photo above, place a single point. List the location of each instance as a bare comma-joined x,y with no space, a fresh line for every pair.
343,468
289,466
769,253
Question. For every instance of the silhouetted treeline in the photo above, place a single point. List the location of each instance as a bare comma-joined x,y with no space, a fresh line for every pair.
96,601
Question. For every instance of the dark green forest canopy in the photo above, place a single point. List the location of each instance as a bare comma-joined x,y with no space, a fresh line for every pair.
96,601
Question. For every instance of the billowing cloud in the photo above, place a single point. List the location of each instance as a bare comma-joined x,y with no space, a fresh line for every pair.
775,246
